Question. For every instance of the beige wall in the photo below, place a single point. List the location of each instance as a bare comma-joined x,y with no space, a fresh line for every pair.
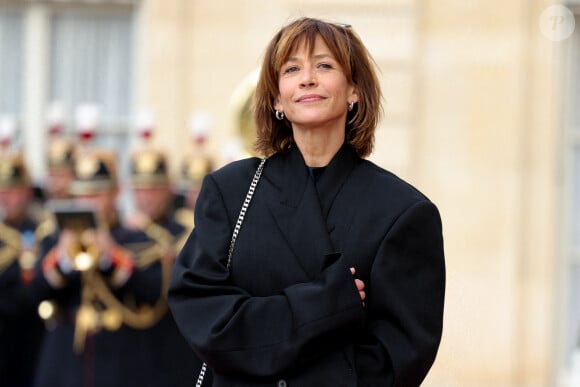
488,140
472,120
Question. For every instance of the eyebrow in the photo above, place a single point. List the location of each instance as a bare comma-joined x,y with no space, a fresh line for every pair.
317,56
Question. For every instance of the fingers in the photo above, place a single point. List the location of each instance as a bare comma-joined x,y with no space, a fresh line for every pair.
360,285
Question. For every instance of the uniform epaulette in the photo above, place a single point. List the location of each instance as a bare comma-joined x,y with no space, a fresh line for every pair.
45,228
185,217
8,254
10,240
161,242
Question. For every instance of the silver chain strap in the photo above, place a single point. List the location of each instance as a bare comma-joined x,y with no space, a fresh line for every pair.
201,375
244,209
237,228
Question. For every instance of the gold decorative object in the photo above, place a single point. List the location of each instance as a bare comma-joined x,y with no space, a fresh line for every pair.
112,319
242,107
87,166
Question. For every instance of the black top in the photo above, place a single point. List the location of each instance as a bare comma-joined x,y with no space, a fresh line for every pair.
316,172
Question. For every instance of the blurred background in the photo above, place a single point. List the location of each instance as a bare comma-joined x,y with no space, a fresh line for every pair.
482,103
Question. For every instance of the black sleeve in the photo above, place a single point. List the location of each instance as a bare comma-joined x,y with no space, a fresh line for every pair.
405,297
237,333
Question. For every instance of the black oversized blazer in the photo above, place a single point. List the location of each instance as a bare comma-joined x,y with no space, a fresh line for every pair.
288,311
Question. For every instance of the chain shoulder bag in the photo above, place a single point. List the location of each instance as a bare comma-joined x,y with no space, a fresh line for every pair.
241,216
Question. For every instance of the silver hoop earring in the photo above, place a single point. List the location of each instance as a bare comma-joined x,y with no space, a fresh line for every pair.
279,115
350,106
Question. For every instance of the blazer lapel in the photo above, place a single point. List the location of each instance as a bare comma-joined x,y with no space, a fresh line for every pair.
295,207
339,200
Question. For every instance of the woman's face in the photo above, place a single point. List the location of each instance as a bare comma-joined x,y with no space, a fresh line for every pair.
314,91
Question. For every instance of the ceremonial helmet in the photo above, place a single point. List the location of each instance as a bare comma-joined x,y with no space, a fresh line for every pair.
193,170
95,171
60,154
60,149
148,166
196,164
13,171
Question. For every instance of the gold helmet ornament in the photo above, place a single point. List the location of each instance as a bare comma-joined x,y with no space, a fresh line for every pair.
13,172
95,171
148,166
148,169
193,170
197,163
60,149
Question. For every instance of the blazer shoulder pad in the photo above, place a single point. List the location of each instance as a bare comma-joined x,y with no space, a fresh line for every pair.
386,182
236,169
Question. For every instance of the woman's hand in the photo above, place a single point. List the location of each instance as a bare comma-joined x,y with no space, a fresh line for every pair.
360,285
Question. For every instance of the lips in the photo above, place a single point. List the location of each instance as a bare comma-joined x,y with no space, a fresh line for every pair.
310,98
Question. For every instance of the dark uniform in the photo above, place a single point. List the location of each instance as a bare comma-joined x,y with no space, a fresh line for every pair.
176,362
104,301
21,328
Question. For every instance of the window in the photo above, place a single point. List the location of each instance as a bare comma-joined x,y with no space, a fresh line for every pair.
570,337
11,61
90,62
74,52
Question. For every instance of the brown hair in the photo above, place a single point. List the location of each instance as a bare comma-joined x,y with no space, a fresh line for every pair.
275,135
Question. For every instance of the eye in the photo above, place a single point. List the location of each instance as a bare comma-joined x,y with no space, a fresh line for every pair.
324,66
290,69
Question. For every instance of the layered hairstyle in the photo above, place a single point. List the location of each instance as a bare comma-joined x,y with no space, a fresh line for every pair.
275,135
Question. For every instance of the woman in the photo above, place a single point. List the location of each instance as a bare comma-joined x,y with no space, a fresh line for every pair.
337,276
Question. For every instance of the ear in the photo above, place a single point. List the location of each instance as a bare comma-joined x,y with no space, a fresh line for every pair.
353,94
278,104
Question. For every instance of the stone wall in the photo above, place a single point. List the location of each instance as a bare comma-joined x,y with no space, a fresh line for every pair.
471,101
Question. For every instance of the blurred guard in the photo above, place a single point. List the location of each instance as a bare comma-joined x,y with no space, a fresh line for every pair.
20,327
150,182
103,300
152,191
193,170
153,194
196,164
59,156
60,171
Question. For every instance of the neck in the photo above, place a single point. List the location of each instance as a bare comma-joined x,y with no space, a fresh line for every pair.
318,146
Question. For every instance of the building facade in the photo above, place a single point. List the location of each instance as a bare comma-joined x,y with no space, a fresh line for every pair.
481,104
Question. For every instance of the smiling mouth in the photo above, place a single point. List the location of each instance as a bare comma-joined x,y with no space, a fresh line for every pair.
310,98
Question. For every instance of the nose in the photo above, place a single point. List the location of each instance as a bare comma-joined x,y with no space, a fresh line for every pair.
308,77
